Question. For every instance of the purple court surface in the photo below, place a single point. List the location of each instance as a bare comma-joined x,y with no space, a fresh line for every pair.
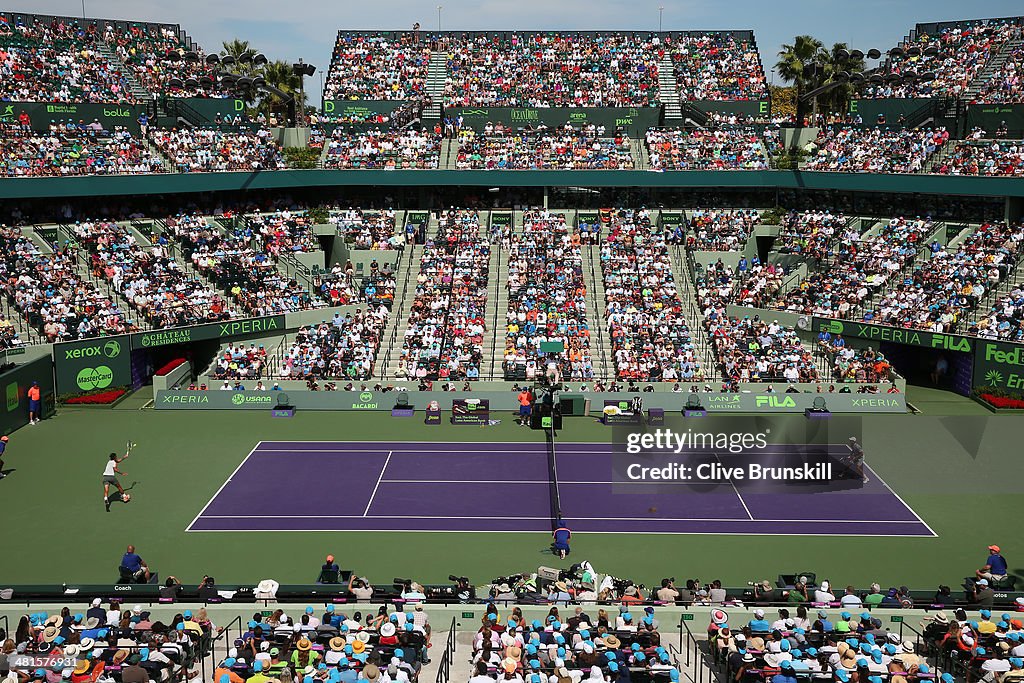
487,487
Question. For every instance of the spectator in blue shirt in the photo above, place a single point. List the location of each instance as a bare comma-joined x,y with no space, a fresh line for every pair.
758,624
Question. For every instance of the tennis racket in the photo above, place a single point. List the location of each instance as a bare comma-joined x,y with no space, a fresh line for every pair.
128,448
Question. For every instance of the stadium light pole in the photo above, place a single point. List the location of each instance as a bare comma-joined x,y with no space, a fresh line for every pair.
439,8
83,9
661,15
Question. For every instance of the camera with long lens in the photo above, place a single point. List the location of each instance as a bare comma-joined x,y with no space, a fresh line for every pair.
401,585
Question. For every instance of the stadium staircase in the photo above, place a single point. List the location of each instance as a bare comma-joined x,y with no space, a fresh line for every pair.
989,71
405,291
437,75
638,150
1014,278
682,271
497,308
449,154
668,94
66,232
602,355
140,94
940,154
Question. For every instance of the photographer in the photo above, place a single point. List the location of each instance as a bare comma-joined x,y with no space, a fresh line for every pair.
411,591
667,592
463,589
207,590
765,592
503,592
360,587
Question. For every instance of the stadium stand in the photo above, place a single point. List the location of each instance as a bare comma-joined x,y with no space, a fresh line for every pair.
956,55
161,61
547,295
875,150
553,70
57,60
344,347
983,158
718,66
152,282
563,148
193,150
70,149
856,266
720,230
728,148
644,314
387,149
377,66
941,291
444,336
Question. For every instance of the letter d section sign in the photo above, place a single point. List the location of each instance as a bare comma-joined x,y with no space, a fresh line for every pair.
92,364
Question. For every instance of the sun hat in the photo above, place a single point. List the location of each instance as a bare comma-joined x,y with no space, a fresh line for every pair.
303,645
337,644
387,629
358,646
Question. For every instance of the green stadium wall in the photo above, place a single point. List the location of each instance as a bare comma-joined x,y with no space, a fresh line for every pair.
42,114
96,186
634,119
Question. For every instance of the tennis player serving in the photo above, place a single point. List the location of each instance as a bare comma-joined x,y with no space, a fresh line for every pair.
110,473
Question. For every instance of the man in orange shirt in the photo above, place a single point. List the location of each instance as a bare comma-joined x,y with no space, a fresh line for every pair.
525,407
35,403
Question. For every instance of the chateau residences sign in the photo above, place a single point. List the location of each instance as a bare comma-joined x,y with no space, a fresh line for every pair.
231,328
634,119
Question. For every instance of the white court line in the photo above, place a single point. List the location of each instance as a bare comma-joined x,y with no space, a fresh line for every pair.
755,534
630,519
900,499
217,493
382,470
547,482
736,491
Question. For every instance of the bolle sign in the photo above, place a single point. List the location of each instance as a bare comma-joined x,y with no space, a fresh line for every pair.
92,364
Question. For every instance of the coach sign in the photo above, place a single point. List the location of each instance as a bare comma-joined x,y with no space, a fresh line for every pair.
92,364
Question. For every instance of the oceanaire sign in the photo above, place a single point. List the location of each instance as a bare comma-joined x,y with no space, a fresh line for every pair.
895,335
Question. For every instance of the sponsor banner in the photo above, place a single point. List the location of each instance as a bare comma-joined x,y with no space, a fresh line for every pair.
895,335
360,109
92,364
992,116
207,108
634,119
890,108
999,365
467,411
41,114
15,384
760,108
852,403
506,401
249,327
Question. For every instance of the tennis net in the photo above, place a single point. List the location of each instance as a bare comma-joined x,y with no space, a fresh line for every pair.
556,503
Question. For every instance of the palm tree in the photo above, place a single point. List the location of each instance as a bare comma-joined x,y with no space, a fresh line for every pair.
280,75
834,62
804,51
236,48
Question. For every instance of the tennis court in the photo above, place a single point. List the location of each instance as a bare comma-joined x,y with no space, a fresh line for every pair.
508,486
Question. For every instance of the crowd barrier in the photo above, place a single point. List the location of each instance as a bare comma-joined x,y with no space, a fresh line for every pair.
719,403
